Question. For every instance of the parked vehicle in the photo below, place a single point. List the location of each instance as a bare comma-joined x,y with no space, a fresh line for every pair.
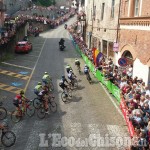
23,46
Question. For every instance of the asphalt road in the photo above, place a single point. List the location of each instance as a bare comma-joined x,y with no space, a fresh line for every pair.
89,112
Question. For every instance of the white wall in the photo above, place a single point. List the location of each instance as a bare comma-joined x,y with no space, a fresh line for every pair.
140,70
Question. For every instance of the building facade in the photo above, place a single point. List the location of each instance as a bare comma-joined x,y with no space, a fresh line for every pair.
134,36
102,24
121,28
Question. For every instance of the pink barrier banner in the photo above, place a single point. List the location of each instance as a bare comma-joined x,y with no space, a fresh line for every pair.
125,113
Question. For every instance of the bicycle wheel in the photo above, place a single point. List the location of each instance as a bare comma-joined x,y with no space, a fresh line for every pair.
63,97
36,103
70,86
53,106
3,113
75,83
15,117
51,86
30,110
70,93
41,112
8,138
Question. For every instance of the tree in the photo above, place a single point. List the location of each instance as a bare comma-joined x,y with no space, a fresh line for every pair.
47,2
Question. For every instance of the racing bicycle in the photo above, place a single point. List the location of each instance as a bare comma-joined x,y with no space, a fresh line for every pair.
66,94
8,138
29,110
39,105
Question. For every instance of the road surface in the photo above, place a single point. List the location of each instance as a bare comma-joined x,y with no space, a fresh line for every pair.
90,113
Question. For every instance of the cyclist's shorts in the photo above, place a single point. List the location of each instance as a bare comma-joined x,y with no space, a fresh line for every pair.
16,104
36,91
77,63
85,72
45,81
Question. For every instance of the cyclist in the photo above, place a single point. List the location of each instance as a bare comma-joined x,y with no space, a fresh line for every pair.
71,76
62,83
46,80
38,88
17,101
61,42
77,63
65,26
68,68
86,69
86,72
24,100
42,94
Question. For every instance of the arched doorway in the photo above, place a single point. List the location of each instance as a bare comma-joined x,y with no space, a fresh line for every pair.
126,54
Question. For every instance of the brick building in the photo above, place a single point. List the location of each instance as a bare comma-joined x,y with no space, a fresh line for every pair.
102,24
134,36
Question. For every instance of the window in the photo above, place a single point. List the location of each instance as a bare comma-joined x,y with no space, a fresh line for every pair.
94,11
102,11
112,8
136,8
104,47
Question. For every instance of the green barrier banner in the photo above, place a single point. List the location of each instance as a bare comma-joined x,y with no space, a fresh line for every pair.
79,50
111,87
99,75
116,92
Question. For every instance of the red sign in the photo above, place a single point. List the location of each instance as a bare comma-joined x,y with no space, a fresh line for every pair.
123,62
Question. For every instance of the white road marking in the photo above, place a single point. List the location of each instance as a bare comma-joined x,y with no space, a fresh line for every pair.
118,109
35,65
16,65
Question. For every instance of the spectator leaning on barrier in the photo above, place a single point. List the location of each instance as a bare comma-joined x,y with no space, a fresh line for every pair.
134,91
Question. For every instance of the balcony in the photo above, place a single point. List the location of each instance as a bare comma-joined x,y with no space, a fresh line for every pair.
136,21
2,7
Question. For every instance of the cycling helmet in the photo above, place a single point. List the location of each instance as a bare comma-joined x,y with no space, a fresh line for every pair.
63,76
39,83
21,92
70,71
46,73
85,65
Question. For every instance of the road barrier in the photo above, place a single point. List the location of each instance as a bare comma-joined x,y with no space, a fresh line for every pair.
113,89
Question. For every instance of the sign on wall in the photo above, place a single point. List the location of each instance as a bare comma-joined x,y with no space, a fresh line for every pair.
115,47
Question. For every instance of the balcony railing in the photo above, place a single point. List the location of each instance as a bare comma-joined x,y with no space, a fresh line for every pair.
2,6
141,21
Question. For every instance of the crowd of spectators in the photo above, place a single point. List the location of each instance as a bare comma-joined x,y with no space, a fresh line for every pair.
12,24
134,92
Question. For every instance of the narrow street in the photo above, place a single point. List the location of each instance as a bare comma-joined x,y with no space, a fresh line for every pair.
89,112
